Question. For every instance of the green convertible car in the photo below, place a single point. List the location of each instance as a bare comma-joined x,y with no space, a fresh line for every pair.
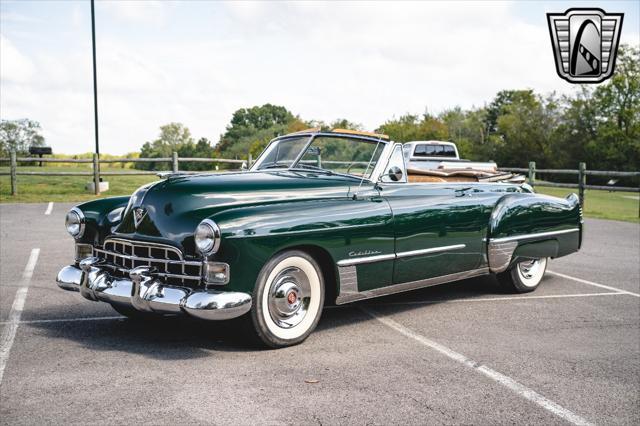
321,217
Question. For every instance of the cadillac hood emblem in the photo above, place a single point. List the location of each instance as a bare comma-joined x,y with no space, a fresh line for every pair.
585,43
138,215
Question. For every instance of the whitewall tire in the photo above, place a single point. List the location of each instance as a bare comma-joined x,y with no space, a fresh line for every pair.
524,276
288,299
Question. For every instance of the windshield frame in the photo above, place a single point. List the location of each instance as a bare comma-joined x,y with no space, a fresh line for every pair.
373,177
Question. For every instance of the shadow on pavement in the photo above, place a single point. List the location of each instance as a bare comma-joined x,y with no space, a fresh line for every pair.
175,338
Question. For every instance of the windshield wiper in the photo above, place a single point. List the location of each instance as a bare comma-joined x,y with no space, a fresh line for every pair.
312,167
274,166
324,171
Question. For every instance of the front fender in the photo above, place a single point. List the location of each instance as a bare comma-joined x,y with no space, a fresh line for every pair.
251,235
97,225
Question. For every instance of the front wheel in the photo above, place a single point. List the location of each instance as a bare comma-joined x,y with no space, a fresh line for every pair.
288,299
524,276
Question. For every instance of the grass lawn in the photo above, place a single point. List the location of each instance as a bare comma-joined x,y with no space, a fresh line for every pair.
40,189
603,204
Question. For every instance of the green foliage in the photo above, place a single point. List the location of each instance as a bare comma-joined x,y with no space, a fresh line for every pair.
175,137
413,128
252,128
598,124
19,135
601,125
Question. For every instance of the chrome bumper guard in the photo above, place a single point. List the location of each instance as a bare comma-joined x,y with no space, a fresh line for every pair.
146,293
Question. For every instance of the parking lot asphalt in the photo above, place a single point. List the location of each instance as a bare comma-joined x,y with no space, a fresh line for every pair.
462,352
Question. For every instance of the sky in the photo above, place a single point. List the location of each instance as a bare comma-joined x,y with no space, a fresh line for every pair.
198,62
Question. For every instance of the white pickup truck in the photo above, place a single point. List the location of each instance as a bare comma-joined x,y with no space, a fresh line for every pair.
437,161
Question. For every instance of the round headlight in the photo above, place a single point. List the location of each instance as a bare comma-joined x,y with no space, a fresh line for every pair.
207,237
74,222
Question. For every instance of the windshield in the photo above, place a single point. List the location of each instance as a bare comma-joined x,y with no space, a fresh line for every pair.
281,153
328,154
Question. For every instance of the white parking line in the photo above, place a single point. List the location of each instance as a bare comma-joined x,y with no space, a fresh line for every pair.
506,381
67,320
49,208
417,302
482,299
9,333
580,280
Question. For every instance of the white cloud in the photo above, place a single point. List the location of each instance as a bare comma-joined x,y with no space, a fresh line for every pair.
142,12
14,66
363,61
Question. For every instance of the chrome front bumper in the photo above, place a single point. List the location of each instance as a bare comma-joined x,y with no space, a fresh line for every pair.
147,294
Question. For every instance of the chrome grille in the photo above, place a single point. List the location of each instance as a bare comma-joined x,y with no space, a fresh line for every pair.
168,261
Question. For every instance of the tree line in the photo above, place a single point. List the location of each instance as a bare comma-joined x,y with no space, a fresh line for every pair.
599,125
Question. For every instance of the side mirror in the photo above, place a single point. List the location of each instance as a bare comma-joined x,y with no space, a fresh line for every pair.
395,174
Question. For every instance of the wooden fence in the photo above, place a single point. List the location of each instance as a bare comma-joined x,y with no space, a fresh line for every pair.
581,179
174,160
581,173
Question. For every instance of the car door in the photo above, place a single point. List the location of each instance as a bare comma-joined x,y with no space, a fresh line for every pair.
438,227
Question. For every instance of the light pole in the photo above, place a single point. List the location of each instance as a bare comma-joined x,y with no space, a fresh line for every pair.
96,161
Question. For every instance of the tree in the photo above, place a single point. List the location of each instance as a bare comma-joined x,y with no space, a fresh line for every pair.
467,130
267,121
524,129
200,149
601,125
19,135
411,127
173,137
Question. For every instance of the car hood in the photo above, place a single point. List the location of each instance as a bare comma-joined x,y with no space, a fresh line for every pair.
174,207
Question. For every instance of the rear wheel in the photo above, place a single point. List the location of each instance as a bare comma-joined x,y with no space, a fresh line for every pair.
288,299
524,276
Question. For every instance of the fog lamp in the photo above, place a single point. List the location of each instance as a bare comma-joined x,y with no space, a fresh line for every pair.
215,273
83,251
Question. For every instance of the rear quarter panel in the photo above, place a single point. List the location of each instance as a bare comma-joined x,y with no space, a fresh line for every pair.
540,224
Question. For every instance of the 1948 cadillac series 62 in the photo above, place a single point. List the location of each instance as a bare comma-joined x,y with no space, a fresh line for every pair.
322,216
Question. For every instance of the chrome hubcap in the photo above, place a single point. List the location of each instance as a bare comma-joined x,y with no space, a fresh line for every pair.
530,269
289,297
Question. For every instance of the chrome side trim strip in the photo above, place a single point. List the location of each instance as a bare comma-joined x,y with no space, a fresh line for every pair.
381,257
368,259
412,285
533,236
429,250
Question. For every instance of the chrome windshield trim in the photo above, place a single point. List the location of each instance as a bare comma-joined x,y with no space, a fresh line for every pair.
368,259
533,236
383,160
373,177
429,250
